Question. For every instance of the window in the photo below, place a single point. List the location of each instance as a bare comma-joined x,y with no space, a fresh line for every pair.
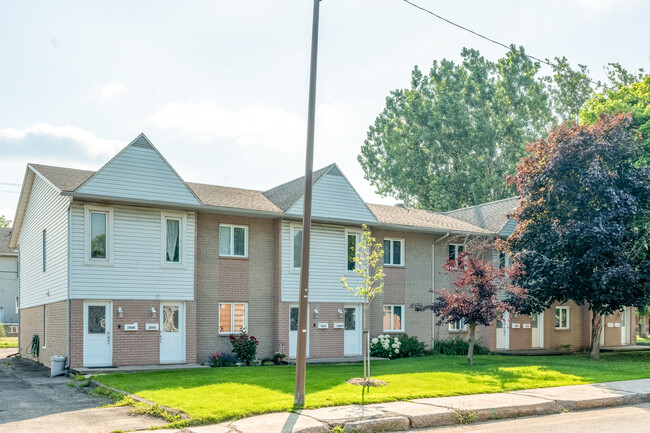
17,305
172,241
352,240
561,317
233,318
44,249
393,318
458,325
296,247
455,250
98,235
394,252
233,240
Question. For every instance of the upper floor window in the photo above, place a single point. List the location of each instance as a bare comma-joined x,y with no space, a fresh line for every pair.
172,229
352,240
296,247
455,250
394,252
233,240
98,234
561,317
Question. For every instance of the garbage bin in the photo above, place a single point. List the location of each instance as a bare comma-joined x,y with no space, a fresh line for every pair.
57,366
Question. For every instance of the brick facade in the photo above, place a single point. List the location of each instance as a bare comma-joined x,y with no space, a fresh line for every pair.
53,338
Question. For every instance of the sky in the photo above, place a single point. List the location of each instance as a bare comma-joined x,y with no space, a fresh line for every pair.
220,87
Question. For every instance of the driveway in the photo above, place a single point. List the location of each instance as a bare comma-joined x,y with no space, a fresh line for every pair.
32,401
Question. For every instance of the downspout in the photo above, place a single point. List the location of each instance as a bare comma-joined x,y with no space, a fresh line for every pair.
20,301
69,286
433,287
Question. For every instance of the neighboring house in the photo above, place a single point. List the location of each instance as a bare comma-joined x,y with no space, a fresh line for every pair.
131,265
8,283
564,325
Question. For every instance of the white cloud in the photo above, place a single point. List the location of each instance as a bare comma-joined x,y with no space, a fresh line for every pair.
108,91
602,5
56,143
250,127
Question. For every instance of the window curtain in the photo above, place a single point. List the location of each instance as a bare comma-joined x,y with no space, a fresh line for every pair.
173,231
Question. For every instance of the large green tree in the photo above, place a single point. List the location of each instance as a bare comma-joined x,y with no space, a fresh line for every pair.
577,233
449,140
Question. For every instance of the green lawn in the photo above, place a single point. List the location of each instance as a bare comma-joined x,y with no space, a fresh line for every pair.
217,394
643,341
8,342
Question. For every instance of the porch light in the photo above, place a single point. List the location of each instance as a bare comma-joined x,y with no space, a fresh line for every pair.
340,313
153,312
315,312
120,312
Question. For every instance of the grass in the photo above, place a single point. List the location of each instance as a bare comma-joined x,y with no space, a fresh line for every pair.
643,341
8,342
217,394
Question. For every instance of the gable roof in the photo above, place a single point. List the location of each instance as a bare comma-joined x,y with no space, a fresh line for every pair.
491,216
397,215
284,196
238,198
5,237
66,179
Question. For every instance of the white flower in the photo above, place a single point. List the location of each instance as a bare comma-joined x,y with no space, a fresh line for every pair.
395,346
396,350
375,341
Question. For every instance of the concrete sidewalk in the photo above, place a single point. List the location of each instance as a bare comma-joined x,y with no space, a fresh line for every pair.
435,412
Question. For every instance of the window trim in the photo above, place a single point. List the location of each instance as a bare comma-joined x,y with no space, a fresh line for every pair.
232,241
17,305
292,229
453,328
402,253
568,318
164,216
357,234
232,317
392,314
108,261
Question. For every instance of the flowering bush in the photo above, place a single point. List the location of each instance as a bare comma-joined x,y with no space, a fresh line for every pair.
384,346
245,347
219,359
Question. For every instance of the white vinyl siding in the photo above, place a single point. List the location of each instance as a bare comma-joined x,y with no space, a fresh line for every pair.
334,198
136,271
9,288
328,265
46,210
139,172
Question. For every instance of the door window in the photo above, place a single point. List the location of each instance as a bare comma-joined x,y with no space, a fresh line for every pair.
96,319
534,319
350,319
293,320
170,318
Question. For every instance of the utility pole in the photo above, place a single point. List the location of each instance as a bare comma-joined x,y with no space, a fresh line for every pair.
303,307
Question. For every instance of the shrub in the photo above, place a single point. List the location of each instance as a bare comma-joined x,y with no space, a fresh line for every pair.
411,347
219,359
457,346
278,358
245,347
384,346
2,331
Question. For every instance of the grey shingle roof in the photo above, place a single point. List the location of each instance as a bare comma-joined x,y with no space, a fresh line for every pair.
66,179
491,216
420,218
223,196
5,237
288,193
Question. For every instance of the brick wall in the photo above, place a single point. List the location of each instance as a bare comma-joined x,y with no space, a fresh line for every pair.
227,279
55,340
325,343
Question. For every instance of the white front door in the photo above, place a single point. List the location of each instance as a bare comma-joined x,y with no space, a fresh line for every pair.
352,332
503,332
98,342
625,326
293,331
537,328
172,332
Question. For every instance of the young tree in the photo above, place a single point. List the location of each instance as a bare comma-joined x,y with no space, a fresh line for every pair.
368,255
581,198
474,299
4,222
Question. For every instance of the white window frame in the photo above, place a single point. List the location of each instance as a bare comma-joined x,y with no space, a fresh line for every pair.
402,254
455,249
232,240
292,230
568,317
454,328
164,216
232,317
392,316
108,261
357,234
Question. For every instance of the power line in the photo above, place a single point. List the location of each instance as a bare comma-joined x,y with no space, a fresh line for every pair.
480,35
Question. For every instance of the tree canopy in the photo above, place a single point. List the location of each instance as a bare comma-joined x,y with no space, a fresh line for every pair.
582,195
4,222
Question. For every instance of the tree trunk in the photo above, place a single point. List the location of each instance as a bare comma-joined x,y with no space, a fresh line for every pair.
596,326
365,347
470,351
643,333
